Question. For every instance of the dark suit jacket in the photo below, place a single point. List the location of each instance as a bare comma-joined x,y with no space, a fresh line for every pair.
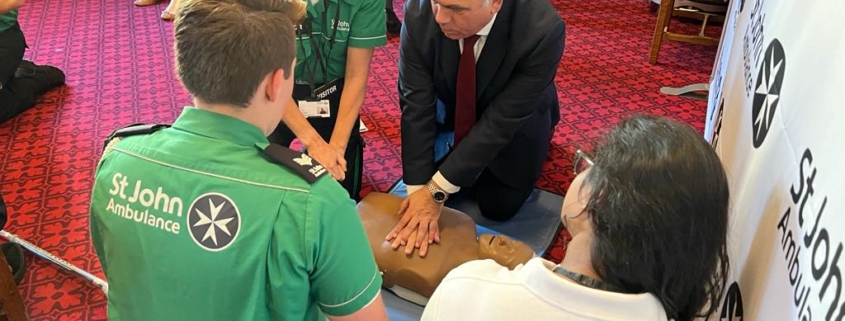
517,106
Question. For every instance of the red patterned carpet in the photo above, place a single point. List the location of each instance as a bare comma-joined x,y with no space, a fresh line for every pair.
118,61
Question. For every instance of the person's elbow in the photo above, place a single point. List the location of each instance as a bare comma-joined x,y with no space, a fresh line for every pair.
372,312
7,5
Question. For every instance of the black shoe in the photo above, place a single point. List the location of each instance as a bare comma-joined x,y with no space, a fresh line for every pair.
17,261
41,78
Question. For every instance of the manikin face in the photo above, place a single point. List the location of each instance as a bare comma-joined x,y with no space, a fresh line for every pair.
459,19
572,214
504,250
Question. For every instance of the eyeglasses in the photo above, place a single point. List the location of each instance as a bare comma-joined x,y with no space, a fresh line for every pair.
581,162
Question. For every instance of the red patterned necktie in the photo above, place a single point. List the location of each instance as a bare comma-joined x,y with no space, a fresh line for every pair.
465,91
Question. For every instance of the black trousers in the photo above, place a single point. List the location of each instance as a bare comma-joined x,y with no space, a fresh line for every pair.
15,96
3,214
496,200
354,154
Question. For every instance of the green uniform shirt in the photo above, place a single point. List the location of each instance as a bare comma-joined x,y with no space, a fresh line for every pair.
362,24
194,222
8,19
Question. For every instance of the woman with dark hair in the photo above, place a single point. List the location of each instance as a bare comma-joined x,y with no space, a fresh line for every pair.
648,218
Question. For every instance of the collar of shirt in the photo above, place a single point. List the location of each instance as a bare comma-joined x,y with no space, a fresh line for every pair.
486,30
317,7
210,124
479,44
538,276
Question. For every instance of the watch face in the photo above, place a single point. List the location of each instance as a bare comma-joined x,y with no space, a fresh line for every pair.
439,196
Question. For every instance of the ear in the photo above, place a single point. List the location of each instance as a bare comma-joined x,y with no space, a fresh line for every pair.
496,5
275,82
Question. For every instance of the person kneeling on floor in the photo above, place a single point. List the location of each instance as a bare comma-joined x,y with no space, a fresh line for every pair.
21,81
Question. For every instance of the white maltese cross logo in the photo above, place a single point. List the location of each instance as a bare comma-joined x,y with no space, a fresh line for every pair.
304,160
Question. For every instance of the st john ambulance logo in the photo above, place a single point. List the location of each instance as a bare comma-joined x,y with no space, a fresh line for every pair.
304,160
214,221
732,308
767,92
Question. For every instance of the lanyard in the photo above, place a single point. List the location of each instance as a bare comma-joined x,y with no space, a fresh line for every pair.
588,281
319,61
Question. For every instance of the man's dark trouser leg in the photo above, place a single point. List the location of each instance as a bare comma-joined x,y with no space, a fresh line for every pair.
496,200
393,23
13,101
4,215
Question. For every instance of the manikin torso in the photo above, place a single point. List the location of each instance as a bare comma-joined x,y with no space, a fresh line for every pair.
458,244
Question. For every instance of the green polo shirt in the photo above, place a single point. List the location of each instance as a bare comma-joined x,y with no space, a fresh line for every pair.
194,222
8,19
362,24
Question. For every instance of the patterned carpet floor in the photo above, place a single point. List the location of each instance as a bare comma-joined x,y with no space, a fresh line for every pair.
119,61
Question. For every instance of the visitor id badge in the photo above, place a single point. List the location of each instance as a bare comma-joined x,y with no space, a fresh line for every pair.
315,108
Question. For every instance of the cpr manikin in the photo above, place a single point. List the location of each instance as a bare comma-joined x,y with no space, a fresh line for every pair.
415,278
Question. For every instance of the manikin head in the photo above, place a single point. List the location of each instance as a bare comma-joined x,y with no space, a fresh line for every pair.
459,19
504,250
458,245
236,57
655,202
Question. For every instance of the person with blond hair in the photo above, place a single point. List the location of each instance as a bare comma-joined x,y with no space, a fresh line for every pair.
335,44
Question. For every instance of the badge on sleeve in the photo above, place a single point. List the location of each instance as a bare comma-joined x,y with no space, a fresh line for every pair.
131,130
307,168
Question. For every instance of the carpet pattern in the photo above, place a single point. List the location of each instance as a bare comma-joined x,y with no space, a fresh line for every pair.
118,60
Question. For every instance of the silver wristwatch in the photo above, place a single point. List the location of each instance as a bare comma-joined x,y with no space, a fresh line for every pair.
438,194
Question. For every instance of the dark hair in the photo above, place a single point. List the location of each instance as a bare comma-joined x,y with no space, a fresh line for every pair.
225,48
659,210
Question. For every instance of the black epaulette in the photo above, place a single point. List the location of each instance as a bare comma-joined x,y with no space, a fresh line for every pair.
132,130
308,168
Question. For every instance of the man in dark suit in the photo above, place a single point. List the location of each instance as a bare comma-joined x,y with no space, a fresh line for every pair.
501,105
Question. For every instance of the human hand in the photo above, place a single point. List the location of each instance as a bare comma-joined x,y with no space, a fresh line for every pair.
417,227
341,150
331,158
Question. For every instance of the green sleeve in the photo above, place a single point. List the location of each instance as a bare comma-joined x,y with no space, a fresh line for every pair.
94,221
344,276
369,25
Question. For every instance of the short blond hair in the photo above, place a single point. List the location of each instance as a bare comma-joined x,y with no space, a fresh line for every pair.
225,48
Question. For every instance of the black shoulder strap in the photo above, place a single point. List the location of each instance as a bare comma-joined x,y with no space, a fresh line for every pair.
134,130
308,168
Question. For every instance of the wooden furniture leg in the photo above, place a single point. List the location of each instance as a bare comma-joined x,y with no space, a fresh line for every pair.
664,15
9,296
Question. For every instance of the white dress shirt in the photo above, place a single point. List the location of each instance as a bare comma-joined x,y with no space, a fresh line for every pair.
479,45
485,290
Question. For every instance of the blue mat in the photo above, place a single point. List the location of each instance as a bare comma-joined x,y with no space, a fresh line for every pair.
400,310
537,223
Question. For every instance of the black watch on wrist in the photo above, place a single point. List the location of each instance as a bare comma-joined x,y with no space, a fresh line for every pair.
439,195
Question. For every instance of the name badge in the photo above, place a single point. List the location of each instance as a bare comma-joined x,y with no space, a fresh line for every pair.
315,108
326,90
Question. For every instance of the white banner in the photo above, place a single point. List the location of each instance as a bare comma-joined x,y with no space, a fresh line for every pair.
776,119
